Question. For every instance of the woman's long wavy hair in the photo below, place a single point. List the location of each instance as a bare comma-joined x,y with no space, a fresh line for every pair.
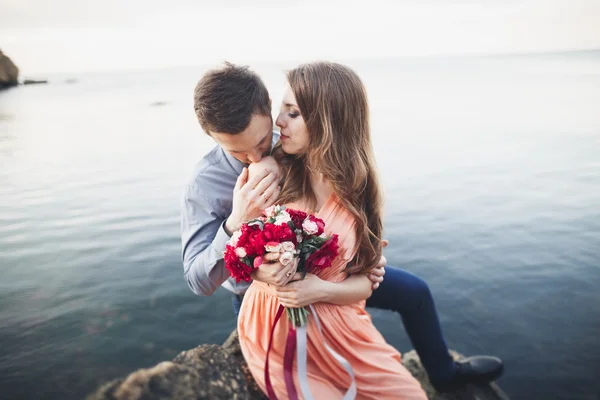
333,102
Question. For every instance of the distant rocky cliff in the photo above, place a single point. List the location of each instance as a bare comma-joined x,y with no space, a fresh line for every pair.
9,73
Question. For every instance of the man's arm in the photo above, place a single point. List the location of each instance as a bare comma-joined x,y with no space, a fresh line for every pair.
205,233
203,239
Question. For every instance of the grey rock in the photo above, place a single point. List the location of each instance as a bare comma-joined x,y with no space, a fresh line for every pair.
34,81
220,372
9,73
411,361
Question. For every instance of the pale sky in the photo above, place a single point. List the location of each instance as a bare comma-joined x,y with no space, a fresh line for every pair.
84,35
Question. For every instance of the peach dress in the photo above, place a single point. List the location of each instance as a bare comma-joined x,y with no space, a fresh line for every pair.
347,329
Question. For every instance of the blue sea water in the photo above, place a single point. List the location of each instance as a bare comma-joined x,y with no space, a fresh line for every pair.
491,168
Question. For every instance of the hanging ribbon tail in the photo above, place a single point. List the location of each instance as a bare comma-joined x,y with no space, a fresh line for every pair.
302,369
351,392
288,363
270,390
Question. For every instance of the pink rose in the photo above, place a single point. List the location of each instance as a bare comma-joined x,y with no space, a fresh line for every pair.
286,258
273,247
288,246
234,238
258,261
270,212
310,227
240,252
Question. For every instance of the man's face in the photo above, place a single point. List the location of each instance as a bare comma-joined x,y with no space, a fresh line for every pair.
250,145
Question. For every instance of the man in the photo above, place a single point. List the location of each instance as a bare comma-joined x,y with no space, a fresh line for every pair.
233,107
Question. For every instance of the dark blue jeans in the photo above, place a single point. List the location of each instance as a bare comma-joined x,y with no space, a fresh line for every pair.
409,296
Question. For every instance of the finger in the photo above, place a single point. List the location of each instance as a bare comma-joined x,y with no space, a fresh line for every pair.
376,278
378,271
270,194
281,290
286,274
242,179
288,304
257,177
382,262
296,277
291,303
375,285
264,183
282,277
272,256
286,296
385,243
274,197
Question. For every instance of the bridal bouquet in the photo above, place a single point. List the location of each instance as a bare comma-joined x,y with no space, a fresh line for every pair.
296,237
293,234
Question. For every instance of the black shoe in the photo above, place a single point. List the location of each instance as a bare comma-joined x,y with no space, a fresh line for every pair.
476,369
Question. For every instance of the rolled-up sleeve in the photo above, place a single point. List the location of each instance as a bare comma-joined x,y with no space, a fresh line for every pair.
203,241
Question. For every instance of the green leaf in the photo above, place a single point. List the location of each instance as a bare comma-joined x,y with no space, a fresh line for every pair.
258,222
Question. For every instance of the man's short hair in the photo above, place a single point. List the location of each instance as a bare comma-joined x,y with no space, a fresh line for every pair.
226,98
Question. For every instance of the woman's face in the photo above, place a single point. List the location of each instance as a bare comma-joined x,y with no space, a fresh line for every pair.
294,134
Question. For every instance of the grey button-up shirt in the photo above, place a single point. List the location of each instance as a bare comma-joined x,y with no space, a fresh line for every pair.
206,204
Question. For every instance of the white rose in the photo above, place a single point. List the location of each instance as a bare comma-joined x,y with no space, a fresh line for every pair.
240,252
288,246
282,218
286,257
310,227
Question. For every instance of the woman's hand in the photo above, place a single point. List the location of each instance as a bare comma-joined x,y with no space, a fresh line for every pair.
300,293
376,275
267,164
275,273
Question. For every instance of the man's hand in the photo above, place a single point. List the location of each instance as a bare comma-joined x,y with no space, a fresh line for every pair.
275,273
301,293
377,273
251,197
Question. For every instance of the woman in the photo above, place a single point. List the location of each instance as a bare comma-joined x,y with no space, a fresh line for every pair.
329,170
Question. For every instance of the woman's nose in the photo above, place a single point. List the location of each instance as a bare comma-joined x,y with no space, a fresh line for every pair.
279,121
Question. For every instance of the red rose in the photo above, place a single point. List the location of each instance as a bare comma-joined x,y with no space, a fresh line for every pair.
237,269
245,232
320,224
297,217
278,233
255,245
323,257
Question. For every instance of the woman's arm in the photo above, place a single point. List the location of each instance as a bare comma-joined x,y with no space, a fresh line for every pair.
313,289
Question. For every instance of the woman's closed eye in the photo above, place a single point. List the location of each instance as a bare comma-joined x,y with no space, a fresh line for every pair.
293,114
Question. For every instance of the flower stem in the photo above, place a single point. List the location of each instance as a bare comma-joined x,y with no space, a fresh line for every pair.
297,316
